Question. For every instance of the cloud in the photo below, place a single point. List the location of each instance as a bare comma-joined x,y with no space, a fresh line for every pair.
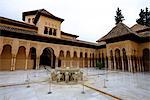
90,19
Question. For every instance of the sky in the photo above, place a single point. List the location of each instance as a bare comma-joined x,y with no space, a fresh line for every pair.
90,19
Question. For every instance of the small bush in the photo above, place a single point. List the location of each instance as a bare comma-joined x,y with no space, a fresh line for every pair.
99,65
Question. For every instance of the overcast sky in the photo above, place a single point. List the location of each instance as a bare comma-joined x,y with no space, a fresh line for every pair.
90,19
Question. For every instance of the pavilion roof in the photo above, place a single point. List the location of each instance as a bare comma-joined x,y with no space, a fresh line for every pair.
40,12
119,30
138,27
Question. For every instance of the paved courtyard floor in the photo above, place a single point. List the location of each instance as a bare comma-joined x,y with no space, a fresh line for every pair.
124,85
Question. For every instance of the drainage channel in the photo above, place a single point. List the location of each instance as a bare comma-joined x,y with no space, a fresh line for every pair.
100,91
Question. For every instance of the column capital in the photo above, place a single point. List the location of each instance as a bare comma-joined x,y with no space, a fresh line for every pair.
14,55
122,61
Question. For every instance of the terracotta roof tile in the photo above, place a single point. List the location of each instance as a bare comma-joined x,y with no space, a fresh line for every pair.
142,30
8,21
138,27
119,30
64,33
40,12
12,29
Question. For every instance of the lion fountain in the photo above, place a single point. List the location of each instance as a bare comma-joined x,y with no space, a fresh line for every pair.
66,75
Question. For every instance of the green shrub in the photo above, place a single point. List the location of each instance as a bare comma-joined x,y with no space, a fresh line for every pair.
99,65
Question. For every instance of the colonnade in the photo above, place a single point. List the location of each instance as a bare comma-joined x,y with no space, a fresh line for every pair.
132,63
22,55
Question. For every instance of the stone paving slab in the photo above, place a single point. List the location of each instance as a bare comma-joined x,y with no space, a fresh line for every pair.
128,86
39,90
125,85
59,92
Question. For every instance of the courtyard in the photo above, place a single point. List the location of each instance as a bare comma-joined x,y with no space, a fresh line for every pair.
97,85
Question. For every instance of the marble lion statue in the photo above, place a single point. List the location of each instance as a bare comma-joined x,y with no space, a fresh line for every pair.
59,76
67,77
53,75
81,76
75,76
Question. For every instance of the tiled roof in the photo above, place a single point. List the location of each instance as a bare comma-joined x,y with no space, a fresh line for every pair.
24,28
64,33
86,42
17,26
73,40
40,12
17,30
145,34
138,27
41,38
8,21
119,30
142,30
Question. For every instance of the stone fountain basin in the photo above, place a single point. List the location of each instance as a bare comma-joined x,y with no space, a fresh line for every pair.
67,76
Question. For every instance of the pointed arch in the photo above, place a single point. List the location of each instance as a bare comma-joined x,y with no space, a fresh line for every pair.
32,58
5,58
21,58
90,60
81,60
75,59
93,59
146,59
48,57
74,54
61,58
112,59
103,59
118,59
68,57
68,54
125,60
86,60
61,54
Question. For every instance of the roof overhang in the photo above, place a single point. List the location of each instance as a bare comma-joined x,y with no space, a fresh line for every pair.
8,21
68,34
46,39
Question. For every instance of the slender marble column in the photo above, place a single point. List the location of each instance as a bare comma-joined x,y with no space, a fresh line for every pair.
133,64
64,63
142,67
52,61
26,63
140,64
92,63
89,62
83,62
56,63
78,63
109,63
122,63
137,62
130,64
71,63
114,63
129,69
37,62
12,63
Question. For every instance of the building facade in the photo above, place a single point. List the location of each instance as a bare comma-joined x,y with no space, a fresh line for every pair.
38,40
